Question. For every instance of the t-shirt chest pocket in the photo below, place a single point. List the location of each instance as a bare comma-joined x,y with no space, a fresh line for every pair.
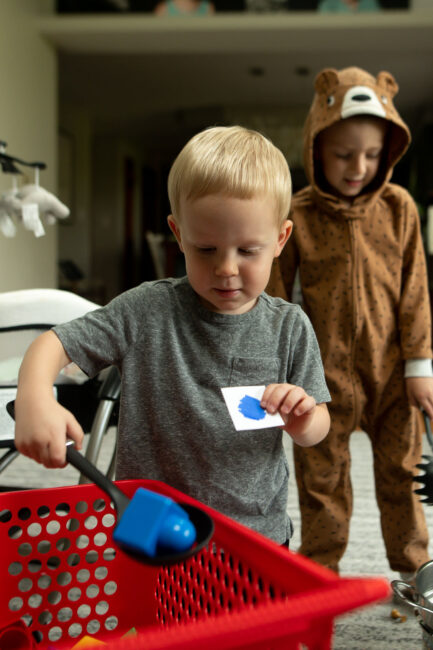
253,371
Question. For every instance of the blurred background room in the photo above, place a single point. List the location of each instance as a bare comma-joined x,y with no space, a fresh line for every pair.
106,92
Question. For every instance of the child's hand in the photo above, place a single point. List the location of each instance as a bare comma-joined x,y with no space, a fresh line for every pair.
305,421
420,393
42,427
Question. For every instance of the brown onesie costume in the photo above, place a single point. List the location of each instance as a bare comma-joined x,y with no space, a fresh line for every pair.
364,286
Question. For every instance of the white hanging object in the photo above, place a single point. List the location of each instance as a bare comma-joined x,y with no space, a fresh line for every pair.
7,226
8,205
28,203
48,203
31,220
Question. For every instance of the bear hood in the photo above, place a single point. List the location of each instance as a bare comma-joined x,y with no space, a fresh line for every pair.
340,94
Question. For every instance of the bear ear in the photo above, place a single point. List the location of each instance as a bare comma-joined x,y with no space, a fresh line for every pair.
386,81
326,80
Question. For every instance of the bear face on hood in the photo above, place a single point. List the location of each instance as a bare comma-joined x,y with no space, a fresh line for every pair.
341,94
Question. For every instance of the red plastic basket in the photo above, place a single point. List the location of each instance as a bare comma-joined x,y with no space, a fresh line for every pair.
61,573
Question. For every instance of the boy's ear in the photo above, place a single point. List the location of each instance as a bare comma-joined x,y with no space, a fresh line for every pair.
175,230
285,232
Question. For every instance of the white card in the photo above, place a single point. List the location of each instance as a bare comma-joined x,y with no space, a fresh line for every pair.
243,403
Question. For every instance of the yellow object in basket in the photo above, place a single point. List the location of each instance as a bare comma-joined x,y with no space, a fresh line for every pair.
87,642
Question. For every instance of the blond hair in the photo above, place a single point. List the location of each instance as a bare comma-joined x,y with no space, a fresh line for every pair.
233,161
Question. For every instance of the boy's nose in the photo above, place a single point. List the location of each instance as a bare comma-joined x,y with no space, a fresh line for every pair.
359,164
226,266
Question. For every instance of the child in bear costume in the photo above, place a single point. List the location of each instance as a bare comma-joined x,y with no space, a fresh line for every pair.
356,242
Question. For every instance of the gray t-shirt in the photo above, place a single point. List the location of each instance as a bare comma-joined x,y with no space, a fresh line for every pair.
174,356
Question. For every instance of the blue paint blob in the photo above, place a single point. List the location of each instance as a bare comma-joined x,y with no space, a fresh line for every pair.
250,408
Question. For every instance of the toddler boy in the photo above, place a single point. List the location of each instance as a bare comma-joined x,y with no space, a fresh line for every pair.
177,342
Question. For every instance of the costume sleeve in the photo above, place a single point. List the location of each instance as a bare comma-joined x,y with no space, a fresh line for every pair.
414,309
283,272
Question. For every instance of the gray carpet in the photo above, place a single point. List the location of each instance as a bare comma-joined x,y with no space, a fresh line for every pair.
371,628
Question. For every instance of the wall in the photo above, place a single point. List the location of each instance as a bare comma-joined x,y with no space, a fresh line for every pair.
108,215
75,233
28,120
283,125
107,210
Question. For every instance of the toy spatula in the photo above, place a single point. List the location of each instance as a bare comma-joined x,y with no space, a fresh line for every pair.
427,478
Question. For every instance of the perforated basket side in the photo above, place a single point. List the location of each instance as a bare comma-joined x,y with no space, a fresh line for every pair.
303,620
60,571
215,581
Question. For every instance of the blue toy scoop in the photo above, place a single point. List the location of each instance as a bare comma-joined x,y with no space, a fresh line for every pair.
149,523
150,526
170,530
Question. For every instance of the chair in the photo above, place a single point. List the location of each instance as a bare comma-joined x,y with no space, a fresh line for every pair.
23,316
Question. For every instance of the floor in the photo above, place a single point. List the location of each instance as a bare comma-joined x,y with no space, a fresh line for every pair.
371,628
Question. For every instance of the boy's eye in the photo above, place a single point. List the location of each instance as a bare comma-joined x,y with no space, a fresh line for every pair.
249,251
205,250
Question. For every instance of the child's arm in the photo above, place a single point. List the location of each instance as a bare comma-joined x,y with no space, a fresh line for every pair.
41,423
306,422
420,393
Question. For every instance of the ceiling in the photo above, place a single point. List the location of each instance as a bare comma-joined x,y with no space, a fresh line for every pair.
129,72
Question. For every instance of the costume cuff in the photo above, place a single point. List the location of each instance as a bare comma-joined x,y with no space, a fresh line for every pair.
418,368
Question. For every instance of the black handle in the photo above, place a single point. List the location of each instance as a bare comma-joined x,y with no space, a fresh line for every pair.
120,500
10,408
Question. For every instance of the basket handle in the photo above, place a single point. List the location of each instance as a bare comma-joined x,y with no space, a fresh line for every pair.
406,592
